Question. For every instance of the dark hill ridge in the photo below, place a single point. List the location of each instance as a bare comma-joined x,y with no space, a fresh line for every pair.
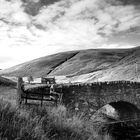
83,65
7,82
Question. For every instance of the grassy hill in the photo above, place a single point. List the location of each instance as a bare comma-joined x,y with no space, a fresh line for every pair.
7,82
83,65
8,90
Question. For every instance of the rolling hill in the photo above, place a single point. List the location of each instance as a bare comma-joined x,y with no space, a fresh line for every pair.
7,82
83,65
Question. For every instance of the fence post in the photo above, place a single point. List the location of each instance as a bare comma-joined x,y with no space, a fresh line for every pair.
99,96
19,91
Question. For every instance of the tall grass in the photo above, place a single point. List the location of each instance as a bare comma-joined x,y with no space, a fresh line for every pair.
47,123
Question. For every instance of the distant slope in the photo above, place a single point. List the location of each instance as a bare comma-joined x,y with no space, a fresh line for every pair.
83,66
39,67
127,68
7,82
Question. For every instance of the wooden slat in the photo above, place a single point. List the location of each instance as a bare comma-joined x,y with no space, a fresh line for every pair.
49,99
35,94
35,86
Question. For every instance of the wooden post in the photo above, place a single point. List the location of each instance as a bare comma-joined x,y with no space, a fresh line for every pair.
42,100
99,96
60,98
19,90
26,99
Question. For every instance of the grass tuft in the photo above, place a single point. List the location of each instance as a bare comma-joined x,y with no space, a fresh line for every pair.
46,123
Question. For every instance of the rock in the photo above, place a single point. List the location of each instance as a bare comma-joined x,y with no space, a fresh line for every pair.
104,114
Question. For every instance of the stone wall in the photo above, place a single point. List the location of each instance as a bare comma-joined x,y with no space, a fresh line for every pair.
95,95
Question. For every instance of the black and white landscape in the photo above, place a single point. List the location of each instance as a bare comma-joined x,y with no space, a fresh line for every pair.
69,69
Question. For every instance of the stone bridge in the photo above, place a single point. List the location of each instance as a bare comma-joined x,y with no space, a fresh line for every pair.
91,97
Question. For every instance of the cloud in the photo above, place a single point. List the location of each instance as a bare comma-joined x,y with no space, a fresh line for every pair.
12,12
4,59
32,7
114,46
69,22
93,21
104,15
130,2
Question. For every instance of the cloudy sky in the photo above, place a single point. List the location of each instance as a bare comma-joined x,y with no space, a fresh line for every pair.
33,28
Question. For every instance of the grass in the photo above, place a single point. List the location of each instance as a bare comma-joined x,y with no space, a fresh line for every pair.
47,123
8,93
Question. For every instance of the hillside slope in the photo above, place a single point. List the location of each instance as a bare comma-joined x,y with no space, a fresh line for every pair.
7,82
83,66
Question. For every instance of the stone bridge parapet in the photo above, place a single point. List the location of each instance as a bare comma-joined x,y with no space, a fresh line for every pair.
96,95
